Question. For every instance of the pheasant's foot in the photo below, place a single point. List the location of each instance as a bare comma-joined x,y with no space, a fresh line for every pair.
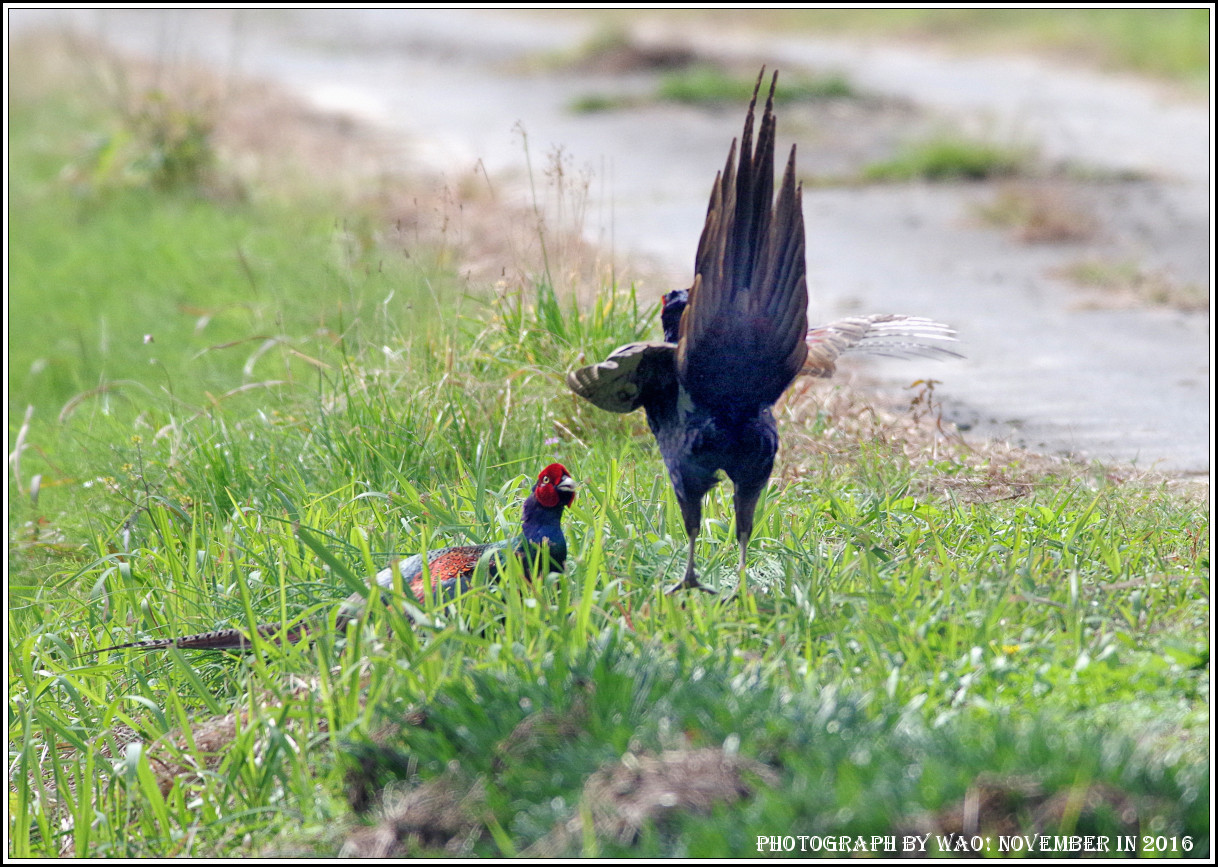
689,582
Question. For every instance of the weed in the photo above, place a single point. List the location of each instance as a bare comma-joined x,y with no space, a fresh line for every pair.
948,158
613,50
1039,214
160,132
711,84
707,84
1124,282
593,103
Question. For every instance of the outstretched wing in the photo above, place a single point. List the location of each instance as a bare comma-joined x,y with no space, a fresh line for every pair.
742,335
888,334
628,377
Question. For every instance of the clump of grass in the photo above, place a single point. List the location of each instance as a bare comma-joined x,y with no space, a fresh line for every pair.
1039,214
615,51
709,84
160,143
949,158
593,103
1126,281
156,131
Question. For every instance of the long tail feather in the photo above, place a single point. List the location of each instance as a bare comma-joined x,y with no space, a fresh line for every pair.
220,639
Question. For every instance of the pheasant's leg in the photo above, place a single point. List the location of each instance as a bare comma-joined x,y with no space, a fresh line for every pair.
690,581
746,504
742,588
692,513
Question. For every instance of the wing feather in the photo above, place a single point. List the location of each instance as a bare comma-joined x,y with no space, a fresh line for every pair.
624,380
742,335
889,334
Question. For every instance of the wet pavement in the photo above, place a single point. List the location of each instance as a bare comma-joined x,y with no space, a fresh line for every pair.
1044,369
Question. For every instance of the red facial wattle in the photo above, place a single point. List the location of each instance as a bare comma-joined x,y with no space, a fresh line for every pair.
546,495
546,490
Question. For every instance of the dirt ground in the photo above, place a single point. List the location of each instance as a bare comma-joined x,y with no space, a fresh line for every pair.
1079,286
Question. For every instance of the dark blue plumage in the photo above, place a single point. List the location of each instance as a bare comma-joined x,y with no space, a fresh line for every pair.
735,340
739,344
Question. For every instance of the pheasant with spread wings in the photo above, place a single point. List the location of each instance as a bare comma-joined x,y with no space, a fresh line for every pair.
737,338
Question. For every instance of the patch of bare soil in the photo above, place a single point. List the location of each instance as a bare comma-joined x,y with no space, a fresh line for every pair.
443,814
448,813
624,796
1009,806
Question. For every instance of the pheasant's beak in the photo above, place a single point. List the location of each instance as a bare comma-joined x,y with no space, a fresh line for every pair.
567,484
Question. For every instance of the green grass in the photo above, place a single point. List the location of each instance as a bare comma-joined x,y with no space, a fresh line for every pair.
948,158
904,645
710,84
707,84
844,765
594,103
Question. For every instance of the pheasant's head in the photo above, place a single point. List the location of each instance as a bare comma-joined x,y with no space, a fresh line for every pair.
554,487
670,316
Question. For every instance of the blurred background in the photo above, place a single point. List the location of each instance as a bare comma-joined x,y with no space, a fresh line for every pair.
1037,178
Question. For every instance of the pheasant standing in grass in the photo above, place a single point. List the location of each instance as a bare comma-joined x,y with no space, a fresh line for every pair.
541,545
736,339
